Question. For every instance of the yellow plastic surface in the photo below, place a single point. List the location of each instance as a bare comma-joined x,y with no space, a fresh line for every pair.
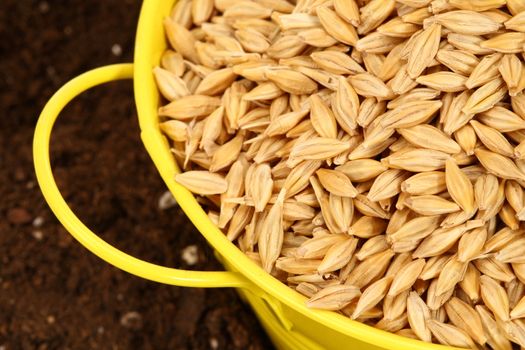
282,311
71,222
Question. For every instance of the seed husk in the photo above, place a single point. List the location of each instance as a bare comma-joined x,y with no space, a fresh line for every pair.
334,297
271,235
216,82
424,49
361,170
485,71
316,247
387,185
418,314
189,107
323,120
366,84
285,122
367,227
433,267
459,61
202,182
372,295
418,94
453,272
454,118
226,154
349,10
291,81
468,22
336,62
465,317
511,42
398,28
427,136
516,23
338,255
443,81
170,85
494,268
515,195
346,106
417,160
435,301
502,119
485,191
415,229
471,244
499,165
246,9
318,148
477,5
495,297
370,269
493,139
395,306
440,241
511,70
261,186
316,37
513,252
469,43
374,13
450,335
406,277
336,182
425,183
394,325
495,337
181,39
459,186
336,26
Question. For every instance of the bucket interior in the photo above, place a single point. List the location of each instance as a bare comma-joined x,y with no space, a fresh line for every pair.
311,329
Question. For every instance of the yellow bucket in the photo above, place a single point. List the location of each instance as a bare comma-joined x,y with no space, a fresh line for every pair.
281,310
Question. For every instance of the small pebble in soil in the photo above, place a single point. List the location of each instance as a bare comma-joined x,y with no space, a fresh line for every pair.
19,174
120,297
131,320
100,330
18,216
43,7
116,49
37,234
214,343
38,221
166,201
68,30
50,319
190,255
51,73
3,347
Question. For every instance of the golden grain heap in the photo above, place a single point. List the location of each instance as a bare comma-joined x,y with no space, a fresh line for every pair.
369,154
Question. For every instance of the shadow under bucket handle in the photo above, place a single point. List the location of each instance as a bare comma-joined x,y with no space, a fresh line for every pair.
126,262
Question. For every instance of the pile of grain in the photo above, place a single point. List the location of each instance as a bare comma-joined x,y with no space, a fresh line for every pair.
369,154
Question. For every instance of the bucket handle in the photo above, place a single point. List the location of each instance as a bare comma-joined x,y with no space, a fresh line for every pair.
114,256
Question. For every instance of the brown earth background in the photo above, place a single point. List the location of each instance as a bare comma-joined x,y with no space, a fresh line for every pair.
54,294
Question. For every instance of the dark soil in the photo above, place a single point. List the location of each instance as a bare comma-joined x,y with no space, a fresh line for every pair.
54,294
